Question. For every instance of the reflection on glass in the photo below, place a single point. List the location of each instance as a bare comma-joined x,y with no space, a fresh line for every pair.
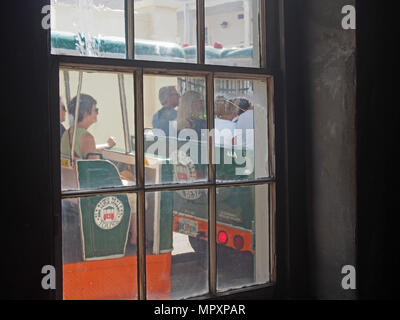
175,124
242,236
99,247
166,30
103,141
232,33
241,129
88,28
176,237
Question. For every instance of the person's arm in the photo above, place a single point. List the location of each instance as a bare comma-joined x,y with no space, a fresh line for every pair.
110,143
88,145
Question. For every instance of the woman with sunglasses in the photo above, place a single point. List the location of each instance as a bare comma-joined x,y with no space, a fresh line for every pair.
84,140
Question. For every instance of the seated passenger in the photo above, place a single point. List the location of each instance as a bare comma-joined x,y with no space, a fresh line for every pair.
169,99
84,140
225,111
189,113
245,122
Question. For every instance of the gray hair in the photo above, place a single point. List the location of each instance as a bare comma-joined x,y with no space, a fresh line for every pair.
86,103
164,93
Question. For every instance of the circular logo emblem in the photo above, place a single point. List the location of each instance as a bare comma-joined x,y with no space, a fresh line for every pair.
108,213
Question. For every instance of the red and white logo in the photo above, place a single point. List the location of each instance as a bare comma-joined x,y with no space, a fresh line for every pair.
108,213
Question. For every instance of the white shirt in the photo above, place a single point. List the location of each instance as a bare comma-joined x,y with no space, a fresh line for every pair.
246,122
226,132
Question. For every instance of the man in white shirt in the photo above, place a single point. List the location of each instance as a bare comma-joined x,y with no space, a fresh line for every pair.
244,134
224,111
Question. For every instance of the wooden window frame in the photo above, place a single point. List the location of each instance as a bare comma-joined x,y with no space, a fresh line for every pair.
271,70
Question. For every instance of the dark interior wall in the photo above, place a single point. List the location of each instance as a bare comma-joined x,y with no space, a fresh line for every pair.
321,94
330,108
27,193
377,124
342,124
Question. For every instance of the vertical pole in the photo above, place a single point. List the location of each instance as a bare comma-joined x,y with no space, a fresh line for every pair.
262,37
78,100
139,159
125,124
200,31
67,87
130,28
211,190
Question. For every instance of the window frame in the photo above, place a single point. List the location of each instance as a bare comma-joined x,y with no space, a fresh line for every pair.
270,70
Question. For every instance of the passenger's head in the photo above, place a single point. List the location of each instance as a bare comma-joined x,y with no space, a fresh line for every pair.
87,105
190,107
225,109
169,96
243,105
62,111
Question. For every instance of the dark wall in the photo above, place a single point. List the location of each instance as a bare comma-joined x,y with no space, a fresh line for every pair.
342,169
321,95
330,79
27,193
377,124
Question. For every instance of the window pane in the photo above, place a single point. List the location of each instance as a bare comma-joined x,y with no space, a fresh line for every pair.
232,33
105,118
166,30
99,247
242,236
88,28
175,124
176,233
241,129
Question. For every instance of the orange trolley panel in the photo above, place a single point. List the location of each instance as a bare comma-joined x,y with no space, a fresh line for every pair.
116,278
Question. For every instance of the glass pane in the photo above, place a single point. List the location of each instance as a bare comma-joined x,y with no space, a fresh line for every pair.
99,247
176,233
175,124
88,28
241,129
242,236
166,30
104,139
232,33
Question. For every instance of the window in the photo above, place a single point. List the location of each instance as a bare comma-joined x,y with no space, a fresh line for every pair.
167,160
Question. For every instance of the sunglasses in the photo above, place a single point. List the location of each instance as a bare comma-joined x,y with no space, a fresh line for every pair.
96,110
63,108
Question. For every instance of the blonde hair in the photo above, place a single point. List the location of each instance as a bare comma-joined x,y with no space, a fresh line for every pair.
185,111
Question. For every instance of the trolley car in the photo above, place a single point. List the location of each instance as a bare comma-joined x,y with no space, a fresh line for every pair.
98,261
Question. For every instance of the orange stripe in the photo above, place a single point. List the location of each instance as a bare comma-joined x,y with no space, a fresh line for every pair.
116,278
